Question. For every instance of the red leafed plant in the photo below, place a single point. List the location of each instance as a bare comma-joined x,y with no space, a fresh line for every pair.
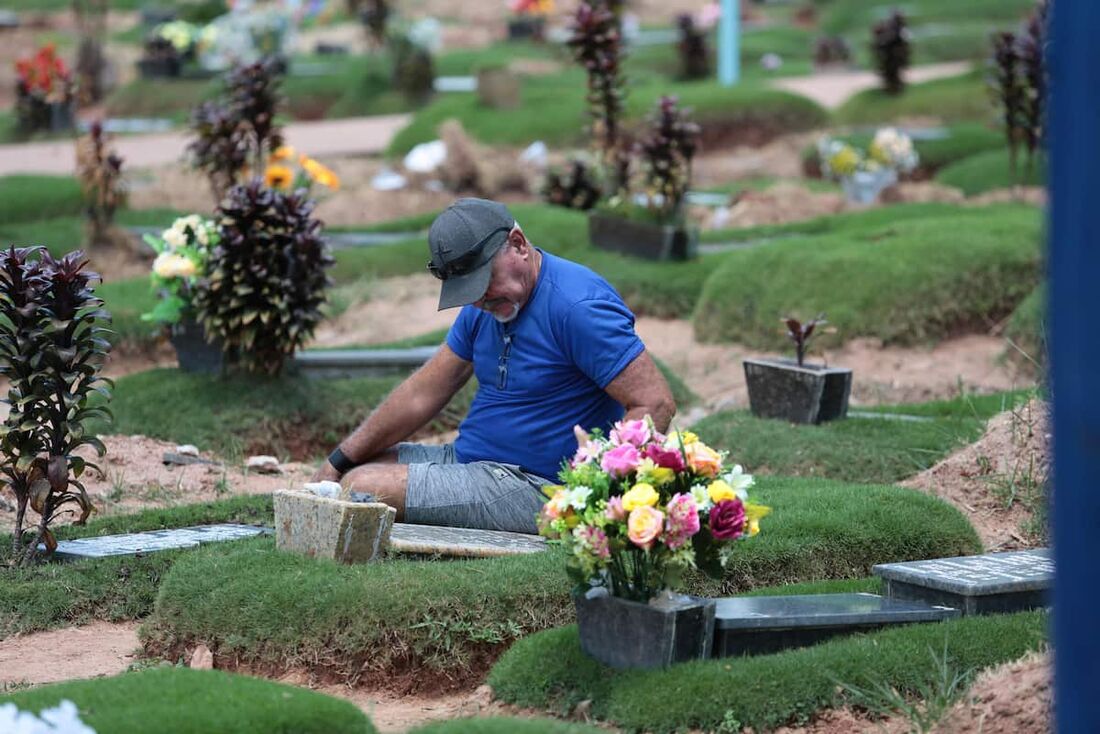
597,46
800,334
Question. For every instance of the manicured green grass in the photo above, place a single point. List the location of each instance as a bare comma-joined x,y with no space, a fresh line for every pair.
505,725
161,98
114,589
25,197
240,415
909,281
553,111
962,98
449,618
177,700
548,670
872,450
962,141
991,170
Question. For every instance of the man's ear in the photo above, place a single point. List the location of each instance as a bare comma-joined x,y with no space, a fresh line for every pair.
518,240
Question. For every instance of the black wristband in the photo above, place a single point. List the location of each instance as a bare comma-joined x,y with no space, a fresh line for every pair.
340,462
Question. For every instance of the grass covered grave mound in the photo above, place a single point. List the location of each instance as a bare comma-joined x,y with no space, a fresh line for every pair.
505,725
905,282
991,170
175,700
857,449
115,589
549,671
387,623
963,98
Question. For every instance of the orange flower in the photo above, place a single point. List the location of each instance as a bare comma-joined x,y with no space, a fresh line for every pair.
278,177
282,153
320,173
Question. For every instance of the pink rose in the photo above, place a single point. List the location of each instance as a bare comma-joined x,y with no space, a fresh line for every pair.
635,433
615,509
595,540
667,458
682,521
621,460
727,519
644,525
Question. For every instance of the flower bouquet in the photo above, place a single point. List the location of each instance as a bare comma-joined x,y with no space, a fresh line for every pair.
864,174
182,250
638,508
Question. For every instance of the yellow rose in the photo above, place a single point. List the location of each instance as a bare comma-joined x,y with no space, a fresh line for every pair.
640,495
644,525
720,490
169,265
674,439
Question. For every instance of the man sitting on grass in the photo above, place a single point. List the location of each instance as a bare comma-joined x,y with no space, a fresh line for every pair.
552,346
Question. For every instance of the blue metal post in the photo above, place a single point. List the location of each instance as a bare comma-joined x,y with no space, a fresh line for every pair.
729,42
1074,229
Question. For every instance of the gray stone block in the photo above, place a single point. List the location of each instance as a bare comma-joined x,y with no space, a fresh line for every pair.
780,388
985,584
350,532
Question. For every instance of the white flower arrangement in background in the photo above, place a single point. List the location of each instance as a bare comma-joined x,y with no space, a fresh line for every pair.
61,719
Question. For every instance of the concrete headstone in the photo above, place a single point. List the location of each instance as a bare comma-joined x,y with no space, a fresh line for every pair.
350,532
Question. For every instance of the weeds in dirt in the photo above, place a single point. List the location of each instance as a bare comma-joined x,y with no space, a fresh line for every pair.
927,704
1025,480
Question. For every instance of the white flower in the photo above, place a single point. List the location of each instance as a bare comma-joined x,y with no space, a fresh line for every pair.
174,238
702,497
739,481
578,497
62,719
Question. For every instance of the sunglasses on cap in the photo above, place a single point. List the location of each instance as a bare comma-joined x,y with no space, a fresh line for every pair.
468,261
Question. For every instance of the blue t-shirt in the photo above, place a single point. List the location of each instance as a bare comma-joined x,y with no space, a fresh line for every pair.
545,371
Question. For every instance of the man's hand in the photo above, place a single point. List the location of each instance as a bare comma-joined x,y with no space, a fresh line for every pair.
326,472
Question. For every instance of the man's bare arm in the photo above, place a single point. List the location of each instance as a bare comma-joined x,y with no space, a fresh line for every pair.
642,390
411,405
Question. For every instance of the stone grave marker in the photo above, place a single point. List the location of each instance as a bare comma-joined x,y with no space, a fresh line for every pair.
323,527
339,363
461,542
991,583
767,624
152,541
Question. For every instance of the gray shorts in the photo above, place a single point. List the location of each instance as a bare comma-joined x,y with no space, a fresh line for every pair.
482,494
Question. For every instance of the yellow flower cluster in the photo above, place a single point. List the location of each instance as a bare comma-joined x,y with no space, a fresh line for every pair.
280,175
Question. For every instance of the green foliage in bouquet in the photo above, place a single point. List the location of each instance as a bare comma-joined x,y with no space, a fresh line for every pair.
265,279
636,509
52,347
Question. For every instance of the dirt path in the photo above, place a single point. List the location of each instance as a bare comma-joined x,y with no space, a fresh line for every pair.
832,89
352,136
100,648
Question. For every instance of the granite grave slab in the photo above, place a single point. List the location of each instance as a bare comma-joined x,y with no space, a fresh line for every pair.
152,541
992,583
325,527
766,624
461,542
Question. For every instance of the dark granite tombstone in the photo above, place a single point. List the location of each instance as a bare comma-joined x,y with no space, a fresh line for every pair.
766,624
991,583
781,388
149,542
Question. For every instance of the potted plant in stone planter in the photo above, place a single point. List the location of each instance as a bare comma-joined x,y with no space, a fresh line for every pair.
635,509
182,253
794,390
44,93
161,59
651,224
863,175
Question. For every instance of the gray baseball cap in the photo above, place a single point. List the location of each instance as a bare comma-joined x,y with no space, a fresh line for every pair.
463,240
